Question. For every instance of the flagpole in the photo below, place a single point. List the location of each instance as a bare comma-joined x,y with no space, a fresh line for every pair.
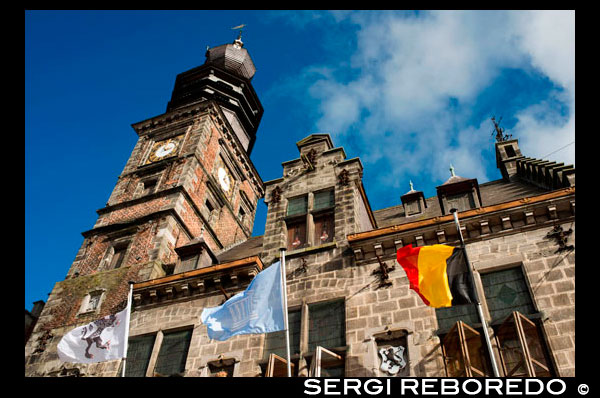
129,296
478,304
285,312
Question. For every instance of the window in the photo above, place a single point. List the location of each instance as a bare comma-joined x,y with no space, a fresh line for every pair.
149,186
510,151
523,351
323,217
461,201
118,256
296,235
91,302
506,291
188,263
209,206
94,301
327,326
413,207
296,222
275,342
139,350
318,217
325,342
324,200
323,229
173,353
297,206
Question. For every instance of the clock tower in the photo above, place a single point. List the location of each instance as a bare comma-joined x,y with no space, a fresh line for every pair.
189,178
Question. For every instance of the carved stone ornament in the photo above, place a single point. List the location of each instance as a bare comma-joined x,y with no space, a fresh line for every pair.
392,359
43,341
344,177
312,156
561,238
276,195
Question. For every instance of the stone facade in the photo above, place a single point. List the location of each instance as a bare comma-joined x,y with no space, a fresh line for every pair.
163,211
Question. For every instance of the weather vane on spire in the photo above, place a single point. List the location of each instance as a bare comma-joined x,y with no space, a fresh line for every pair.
240,27
499,131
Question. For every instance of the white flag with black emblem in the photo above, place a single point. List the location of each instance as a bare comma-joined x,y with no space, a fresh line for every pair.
98,341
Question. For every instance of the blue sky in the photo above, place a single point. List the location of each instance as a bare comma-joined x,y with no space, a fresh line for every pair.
407,92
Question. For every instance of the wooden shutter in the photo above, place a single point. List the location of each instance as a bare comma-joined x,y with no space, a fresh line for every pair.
118,256
464,352
324,360
277,367
296,235
522,350
323,229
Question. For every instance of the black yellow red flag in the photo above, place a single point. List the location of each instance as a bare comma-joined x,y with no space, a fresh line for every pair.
438,273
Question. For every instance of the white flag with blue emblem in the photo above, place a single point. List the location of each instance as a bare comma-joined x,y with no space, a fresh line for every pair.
258,309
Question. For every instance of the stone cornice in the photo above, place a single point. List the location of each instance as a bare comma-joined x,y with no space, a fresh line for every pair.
228,277
486,210
491,222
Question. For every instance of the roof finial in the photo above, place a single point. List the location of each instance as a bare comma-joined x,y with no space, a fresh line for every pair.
411,185
452,171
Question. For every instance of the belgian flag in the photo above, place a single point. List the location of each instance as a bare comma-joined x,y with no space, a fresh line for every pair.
439,274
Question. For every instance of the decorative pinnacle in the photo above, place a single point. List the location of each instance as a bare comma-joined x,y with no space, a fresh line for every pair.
411,185
452,170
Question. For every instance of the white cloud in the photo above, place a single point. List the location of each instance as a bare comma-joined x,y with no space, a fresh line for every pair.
410,68
407,109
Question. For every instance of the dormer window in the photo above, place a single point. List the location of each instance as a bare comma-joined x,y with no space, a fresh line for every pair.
458,193
413,201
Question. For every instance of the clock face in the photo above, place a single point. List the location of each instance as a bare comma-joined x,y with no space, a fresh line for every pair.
224,179
163,149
